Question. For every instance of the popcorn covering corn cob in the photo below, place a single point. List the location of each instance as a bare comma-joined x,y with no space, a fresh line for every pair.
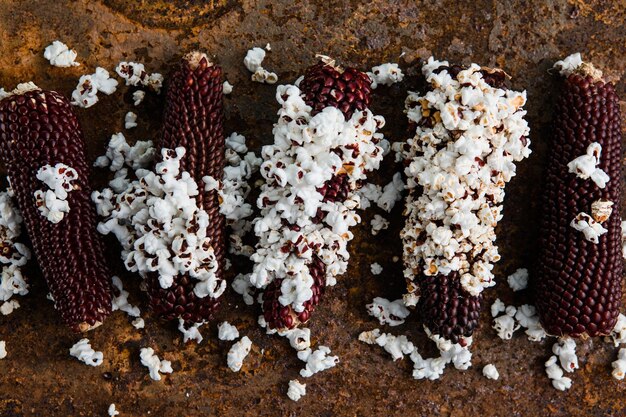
325,143
469,131
579,276
42,146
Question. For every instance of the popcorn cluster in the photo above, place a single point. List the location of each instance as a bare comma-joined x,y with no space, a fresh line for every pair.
60,55
564,359
13,255
52,203
86,92
388,312
316,360
83,352
385,74
470,131
135,75
514,318
155,366
253,62
308,202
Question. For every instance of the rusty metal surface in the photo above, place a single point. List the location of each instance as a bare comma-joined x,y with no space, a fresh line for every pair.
524,37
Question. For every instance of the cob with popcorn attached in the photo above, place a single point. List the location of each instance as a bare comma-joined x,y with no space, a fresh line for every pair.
43,148
469,132
325,144
579,277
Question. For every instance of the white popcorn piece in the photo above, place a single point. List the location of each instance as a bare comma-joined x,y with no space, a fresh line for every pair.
52,203
591,229
138,323
376,268
299,338
396,346
130,120
555,373
296,390
3,349
378,223
238,353
227,88
619,365
3,93
505,325
586,166
191,333
601,210
497,307
565,349
369,193
491,372
388,312
316,360
83,352
138,97
9,307
86,92
60,55
155,366
254,58
618,334
370,336
241,284
120,302
226,331
518,280
385,74
113,411
268,47
264,76
392,193
135,75
568,65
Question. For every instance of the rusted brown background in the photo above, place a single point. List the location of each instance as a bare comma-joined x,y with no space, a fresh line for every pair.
39,378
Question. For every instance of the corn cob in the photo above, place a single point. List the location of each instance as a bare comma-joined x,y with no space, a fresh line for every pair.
469,131
39,129
579,276
193,120
307,203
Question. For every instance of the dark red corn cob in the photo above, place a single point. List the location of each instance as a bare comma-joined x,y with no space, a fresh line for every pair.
194,120
348,90
39,128
578,283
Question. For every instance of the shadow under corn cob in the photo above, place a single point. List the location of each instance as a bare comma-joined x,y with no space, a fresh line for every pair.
578,285
349,90
193,119
39,128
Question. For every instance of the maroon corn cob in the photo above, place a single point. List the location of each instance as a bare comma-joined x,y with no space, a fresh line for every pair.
578,283
348,90
194,120
38,128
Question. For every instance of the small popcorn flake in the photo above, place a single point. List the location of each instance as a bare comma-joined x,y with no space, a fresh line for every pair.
518,280
3,349
3,93
376,268
227,88
385,74
268,47
316,361
369,336
619,365
130,120
296,390
190,333
83,352
138,97
586,166
491,372
591,229
378,223
155,366
138,323
388,312
60,55
238,353
113,411
86,93
601,210
264,76
226,331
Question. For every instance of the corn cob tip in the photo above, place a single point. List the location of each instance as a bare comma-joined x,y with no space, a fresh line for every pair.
196,59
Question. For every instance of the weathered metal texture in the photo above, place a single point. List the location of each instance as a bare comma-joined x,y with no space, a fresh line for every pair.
525,38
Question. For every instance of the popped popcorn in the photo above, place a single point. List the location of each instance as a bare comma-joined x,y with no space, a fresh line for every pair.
226,331
392,193
113,411
130,120
591,229
138,323
135,74
86,92
601,210
619,365
388,312
60,55
296,390
316,360
52,203
227,88
518,280
378,223
120,302
238,353
253,60
190,333
385,74
83,352
138,97
491,372
555,373
3,349
155,366
586,166
376,268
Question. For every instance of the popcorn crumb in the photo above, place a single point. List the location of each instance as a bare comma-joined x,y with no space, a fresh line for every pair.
378,223
138,323
226,331
227,88
138,97
388,312
316,361
491,372
155,366
130,120
296,389
83,352
3,349
376,268
60,55
268,47
238,353
518,280
113,411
